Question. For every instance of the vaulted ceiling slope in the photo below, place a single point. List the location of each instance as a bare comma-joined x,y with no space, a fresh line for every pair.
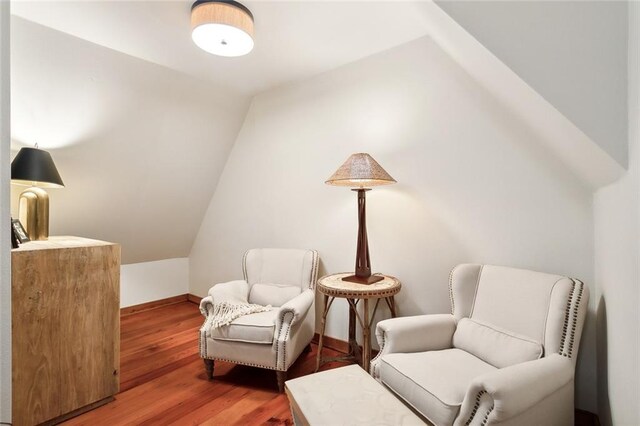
574,53
557,134
140,147
140,121
294,39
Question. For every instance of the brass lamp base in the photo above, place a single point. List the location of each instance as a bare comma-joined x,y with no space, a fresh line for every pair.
363,280
34,213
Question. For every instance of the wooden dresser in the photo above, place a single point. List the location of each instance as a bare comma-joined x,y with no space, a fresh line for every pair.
65,327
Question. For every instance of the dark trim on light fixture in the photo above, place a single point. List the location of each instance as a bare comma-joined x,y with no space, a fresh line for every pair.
229,2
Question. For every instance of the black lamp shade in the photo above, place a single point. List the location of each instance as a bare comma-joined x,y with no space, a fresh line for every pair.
35,167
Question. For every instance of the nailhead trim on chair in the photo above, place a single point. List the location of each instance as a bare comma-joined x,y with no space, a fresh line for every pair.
575,316
202,333
374,361
453,304
486,416
244,266
476,406
565,325
242,363
314,270
573,306
571,318
284,342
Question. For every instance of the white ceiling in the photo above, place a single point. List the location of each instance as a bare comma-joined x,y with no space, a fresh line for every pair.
139,147
294,40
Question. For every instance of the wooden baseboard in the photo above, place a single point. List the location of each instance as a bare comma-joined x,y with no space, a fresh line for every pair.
338,345
193,298
332,343
153,304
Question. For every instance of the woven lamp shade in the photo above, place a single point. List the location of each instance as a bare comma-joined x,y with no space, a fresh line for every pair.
360,171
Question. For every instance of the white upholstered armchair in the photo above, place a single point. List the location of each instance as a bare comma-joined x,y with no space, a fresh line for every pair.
284,279
506,355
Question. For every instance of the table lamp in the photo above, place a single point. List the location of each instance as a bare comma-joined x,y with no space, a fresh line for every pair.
34,167
361,171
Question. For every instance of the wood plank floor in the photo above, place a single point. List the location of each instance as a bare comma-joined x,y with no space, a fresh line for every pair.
163,381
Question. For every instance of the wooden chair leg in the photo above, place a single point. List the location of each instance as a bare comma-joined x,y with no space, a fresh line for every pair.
282,377
208,365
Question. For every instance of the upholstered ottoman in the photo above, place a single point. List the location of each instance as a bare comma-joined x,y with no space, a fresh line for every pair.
345,396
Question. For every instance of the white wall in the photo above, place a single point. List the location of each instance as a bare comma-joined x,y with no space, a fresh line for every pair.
149,281
473,185
617,233
140,147
574,53
5,252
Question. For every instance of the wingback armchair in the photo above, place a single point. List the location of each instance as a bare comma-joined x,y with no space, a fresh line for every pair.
506,355
284,279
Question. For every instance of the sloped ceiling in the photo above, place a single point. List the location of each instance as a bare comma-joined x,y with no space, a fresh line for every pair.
294,39
139,147
140,122
574,53
556,133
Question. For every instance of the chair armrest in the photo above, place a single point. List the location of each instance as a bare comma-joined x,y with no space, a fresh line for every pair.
206,306
238,287
507,392
416,334
292,311
413,334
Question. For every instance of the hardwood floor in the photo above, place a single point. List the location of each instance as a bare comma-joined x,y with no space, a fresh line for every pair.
163,381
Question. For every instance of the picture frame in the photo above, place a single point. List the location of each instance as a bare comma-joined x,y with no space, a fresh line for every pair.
14,239
22,235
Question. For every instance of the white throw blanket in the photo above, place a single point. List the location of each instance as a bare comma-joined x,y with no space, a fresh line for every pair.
230,301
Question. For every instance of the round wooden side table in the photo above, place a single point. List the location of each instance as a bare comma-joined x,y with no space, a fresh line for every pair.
332,286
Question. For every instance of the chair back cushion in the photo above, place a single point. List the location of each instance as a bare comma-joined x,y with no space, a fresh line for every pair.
544,308
278,275
494,346
273,294
281,266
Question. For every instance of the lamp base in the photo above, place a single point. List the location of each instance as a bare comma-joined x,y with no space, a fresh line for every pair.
34,213
363,280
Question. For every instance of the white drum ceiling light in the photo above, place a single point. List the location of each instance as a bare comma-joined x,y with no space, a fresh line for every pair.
222,27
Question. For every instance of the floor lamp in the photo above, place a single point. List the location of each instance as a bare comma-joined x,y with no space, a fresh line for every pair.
361,172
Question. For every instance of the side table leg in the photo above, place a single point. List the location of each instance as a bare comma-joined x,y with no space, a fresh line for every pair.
366,338
327,305
353,343
391,302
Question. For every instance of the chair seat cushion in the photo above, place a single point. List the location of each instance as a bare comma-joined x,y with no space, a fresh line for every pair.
253,328
434,382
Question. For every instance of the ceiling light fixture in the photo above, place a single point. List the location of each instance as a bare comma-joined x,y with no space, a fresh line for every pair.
222,27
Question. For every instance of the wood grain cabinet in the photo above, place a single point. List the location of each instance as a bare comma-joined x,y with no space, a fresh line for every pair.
66,327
